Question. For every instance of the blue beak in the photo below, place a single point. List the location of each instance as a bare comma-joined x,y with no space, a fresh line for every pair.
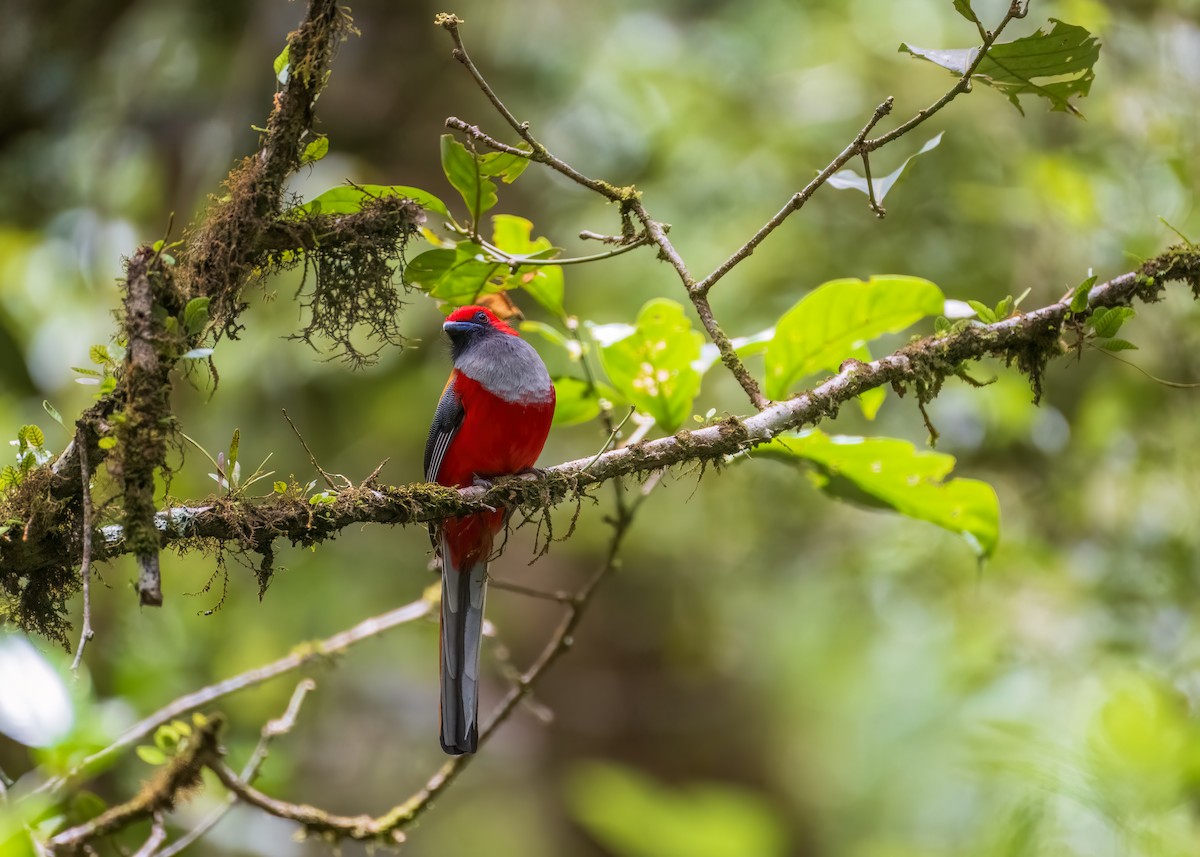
458,328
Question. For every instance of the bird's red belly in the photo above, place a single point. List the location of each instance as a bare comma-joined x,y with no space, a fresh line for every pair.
497,437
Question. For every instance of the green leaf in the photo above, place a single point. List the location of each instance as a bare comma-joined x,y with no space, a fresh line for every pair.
502,165
235,443
99,355
830,322
280,487
1118,345
151,755
1055,65
31,436
315,150
107,442
350,198
889,473
281,66
195,315
1079,300
426,269
849,179
983,311
653,367
575,403
1106,321
462,168
166,738
467,277
1004,309
632,815
963,7
544,283
53,412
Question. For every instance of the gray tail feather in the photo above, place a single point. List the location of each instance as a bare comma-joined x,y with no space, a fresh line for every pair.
463,592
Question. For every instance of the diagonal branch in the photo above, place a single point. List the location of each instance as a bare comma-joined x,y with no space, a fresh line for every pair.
300,657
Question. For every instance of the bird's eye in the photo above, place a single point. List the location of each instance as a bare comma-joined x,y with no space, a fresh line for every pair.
481,317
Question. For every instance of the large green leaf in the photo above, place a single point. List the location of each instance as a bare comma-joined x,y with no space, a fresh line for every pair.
631,815
350,198
544,283
462,170
456,277
888,473
832,321
1056,65
654,366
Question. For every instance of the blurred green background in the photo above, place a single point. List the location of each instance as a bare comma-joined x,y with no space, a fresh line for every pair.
771,673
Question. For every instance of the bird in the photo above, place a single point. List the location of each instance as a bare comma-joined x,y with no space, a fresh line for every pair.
492,420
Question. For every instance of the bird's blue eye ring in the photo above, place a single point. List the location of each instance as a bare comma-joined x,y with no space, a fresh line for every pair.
481,317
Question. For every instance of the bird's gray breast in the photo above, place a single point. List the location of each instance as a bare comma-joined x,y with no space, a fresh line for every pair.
508,367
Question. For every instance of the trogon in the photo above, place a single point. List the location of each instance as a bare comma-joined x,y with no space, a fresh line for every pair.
492,420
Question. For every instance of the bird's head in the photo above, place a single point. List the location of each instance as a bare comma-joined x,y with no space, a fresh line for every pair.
471,323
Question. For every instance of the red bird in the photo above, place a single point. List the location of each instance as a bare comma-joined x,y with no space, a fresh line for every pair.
492,421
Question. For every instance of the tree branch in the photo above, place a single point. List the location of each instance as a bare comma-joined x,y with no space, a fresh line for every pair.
300,656
270,731
1029,340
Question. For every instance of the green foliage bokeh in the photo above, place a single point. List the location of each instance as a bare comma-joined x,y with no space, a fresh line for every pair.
836,681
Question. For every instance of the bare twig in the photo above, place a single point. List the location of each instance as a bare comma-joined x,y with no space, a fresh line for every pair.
300,656
1015,10
560,596
797,201
880,212
85,566
271,730
328,477
628,197
158,835
860,145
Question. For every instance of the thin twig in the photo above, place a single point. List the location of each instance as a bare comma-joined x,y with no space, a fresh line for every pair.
871,201
271,730
559,596
312,458
300,656
540,154
629,199
158,835
797,201
85,566
1015,10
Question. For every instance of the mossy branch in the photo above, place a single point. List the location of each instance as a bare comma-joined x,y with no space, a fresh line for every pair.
240,236
1028,340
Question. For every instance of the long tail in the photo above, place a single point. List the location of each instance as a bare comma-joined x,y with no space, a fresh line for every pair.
463,592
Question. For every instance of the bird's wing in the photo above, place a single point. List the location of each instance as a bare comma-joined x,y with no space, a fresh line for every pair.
447,420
